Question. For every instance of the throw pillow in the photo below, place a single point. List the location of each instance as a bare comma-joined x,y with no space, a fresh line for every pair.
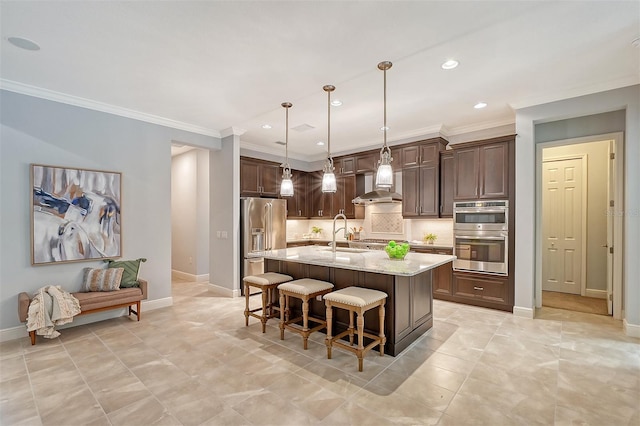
131,268
102,279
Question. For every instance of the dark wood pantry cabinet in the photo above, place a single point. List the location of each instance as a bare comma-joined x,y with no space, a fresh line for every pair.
421,178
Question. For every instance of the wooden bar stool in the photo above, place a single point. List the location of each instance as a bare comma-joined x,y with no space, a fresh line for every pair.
358,300
305,289
267,283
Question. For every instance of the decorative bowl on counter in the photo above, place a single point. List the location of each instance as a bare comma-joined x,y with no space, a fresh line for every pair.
396,251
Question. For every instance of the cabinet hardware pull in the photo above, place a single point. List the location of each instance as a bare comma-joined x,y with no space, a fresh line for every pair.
478,288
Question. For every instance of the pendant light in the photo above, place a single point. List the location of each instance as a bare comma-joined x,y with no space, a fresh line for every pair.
286,187
384,176
329,179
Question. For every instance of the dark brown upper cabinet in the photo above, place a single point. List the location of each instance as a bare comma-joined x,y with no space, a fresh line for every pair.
446,184
367,162
481,170
297,205
421,178
345,166
259,178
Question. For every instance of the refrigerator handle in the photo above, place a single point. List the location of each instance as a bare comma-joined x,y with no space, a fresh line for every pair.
269,227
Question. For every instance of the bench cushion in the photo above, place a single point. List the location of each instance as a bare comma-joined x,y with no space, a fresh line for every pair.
100,299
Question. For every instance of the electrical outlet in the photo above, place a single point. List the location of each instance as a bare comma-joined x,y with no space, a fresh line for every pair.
217,234
190,260
224,235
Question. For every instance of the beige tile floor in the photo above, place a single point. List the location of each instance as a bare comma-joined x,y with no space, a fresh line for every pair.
195,363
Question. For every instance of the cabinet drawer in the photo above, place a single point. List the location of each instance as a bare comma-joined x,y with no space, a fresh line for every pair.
489,289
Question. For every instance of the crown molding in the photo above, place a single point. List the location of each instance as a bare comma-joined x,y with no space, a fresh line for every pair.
230,131
486,125
265,150
38,92
575,92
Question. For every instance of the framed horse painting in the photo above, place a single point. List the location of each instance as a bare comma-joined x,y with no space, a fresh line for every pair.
75,214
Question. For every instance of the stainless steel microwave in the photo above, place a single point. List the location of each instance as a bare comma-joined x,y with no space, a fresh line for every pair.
481,215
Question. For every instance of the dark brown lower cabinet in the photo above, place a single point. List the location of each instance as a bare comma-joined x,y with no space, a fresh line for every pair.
489,291
485,290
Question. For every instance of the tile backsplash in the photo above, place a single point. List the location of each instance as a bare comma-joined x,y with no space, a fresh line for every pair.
382,221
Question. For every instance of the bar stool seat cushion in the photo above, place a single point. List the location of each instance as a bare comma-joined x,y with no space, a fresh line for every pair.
305,286
355,296
268,278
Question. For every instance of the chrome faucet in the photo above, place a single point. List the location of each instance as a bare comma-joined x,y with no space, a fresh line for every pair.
333,243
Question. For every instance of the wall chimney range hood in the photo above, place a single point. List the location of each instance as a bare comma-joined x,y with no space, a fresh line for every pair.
378,196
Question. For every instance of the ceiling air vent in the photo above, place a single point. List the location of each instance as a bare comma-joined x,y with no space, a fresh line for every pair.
302,128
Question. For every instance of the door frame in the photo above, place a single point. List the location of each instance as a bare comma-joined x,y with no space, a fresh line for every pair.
584,165
618,222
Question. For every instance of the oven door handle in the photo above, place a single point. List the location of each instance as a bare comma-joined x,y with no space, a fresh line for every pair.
479,211
480,238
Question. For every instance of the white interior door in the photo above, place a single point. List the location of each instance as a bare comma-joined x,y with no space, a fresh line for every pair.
563,209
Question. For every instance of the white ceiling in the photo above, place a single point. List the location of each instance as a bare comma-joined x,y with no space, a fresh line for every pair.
214,66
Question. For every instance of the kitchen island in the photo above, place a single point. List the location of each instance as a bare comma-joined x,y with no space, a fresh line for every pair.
409,307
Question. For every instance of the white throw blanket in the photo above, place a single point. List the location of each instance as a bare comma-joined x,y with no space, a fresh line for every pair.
51,306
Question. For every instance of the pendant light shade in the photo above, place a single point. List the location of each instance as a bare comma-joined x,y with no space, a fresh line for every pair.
384,176
286,186
329,179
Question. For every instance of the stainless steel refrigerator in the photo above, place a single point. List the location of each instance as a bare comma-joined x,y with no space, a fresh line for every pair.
263,226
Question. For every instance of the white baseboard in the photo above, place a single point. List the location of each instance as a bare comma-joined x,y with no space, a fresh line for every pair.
147,305
224,291
598,294
13,333
631,330
519,311
203,278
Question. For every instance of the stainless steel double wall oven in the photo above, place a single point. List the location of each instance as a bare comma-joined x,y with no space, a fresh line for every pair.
481,236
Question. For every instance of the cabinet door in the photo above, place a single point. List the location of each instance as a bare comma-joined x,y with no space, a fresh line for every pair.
249,178
410,156
494,171
270,179
421,298
442,277
296,205
465,169
446,185
430,154
489,289
346,166
367,162
341,200
429,190
319,202
410,192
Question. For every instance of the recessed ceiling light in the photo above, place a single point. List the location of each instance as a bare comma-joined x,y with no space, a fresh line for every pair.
266,126
319,143
480,105
336,102
449,64
383,128
23,43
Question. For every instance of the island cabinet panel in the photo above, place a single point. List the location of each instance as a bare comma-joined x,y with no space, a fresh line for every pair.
442,276
408,309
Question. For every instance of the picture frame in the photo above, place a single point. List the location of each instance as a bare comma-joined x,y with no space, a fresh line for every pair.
75,214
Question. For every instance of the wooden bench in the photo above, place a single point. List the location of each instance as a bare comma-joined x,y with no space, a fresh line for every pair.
95,301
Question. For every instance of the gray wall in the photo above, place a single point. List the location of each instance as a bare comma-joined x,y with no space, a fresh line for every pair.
190,212
625,99
35,130
224,264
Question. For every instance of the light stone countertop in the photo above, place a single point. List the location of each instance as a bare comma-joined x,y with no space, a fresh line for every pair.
375,261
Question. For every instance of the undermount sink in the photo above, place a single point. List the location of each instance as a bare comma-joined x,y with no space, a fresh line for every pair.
346,250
